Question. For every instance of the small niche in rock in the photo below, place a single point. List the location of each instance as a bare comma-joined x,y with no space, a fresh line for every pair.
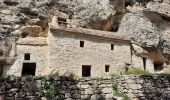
158,66
165,18
129,3
7,2
24,34
115,27
1,52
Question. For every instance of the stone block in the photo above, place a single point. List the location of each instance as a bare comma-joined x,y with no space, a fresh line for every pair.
107,90
89,91
135,86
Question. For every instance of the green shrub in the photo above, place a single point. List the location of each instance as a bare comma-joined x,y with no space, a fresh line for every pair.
137,71
71,75
163,74
115,87
49,90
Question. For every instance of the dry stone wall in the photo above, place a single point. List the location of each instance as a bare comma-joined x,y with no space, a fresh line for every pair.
29,88
145,87
67,88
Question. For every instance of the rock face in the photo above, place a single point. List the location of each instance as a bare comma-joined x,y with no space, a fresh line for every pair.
162,9
146,23
140,29
92,14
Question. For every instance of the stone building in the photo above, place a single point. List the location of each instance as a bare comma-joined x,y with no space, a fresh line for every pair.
87,52
30,59
84,52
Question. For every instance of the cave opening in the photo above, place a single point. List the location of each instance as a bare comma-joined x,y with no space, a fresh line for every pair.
158,66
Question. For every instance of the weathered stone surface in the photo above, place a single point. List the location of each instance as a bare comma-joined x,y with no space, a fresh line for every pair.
162,9
141,30
107,90
33,31
151,87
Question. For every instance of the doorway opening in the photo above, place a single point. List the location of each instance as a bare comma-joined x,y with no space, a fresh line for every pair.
86,71
144,63
28,69
107,67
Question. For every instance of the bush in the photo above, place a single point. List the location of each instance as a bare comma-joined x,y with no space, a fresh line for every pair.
137,71
71,75
163,74
115,87
49,89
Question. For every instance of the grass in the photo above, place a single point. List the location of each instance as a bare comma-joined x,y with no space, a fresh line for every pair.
115,87
163,74
119,94
137,71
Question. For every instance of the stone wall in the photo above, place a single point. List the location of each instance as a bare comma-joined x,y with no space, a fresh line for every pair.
67,88
29,88
145,87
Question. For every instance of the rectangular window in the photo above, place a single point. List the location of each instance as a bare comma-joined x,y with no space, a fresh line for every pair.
62,21
82,44
27,56
107,67
112,46
86,71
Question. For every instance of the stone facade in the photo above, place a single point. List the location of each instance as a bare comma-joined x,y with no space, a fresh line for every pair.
66,55
37,49
138,61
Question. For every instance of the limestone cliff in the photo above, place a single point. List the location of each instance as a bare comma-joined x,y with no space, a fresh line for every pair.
147,22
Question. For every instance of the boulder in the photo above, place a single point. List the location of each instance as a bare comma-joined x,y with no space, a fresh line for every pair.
140,29
162,9
139,50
